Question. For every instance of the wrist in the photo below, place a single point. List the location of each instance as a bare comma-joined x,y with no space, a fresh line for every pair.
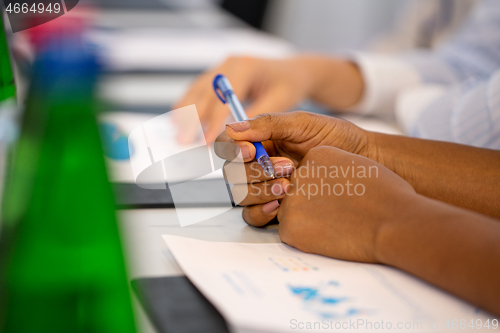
371,147
391,152
334,82
306,67
393,234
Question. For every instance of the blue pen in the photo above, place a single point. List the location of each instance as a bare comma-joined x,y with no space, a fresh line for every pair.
225,92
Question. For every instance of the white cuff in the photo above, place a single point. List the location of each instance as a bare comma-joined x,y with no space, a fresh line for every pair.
384,76
411,103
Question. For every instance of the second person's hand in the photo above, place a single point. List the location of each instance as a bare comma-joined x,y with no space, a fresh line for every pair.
271,86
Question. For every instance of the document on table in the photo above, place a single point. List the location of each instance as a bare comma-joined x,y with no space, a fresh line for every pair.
141,90
183,49
119,125
276,288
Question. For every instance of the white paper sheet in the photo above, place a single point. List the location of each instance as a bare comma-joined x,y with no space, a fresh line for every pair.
126,122
276,288
145,90
183,49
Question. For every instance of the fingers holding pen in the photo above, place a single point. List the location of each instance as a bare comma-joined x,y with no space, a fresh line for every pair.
252,172
261,200
229,149
260,215
260,193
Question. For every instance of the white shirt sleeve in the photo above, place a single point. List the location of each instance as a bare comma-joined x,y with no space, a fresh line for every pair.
384,78
471,53
467,113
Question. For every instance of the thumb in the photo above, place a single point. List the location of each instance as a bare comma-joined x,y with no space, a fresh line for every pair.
289,126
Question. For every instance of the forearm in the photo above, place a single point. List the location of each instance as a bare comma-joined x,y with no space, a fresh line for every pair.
464,176
454,249
334,82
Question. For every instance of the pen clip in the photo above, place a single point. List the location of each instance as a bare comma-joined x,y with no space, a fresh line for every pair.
217,90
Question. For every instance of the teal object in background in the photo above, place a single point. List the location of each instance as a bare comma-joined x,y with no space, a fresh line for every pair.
115,142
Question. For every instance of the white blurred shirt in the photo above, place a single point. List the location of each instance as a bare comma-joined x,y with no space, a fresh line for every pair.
409,85
468,113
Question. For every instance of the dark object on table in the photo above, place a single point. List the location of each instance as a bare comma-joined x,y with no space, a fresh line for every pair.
175,305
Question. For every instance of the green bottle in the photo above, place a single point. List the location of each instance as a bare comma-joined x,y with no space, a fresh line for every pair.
62,264
7,86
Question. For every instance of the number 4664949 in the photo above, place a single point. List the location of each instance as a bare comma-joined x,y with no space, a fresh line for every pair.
39,8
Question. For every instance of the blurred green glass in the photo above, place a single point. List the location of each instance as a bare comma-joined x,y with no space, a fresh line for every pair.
62,264
7,86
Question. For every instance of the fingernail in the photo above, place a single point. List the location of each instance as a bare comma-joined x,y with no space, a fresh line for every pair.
277,189
270,207
240,126
245,152
283,168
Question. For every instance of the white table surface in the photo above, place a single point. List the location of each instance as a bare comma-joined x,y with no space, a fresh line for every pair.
148,256
147,253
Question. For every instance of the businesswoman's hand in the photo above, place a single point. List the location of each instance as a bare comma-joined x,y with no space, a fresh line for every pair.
349,207
338,202
287,137
461,175
272,86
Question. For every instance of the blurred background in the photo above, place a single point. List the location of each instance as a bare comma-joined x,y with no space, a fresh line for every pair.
152,50
188,36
